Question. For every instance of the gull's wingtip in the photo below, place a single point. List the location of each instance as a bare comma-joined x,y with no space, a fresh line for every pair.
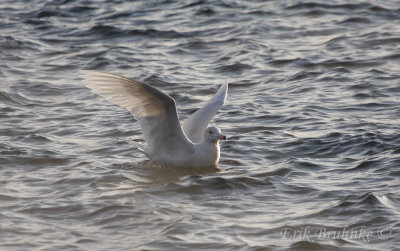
89,76
88,72
222,92
84,74
224,87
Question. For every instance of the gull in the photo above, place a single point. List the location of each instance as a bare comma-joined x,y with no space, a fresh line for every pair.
194,144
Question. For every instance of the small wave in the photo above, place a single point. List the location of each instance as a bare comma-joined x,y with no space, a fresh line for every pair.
280,172
303,62
352,20
261,13
234,68
366,199
364,166
366,204
110,32
392,56
107,213
307,165
10,43
219,186
4,198
194,4
158,33
205,3
333,144
312,5
50,13
311,245
42,161
118,15
206,11
391,202
333,63
75,181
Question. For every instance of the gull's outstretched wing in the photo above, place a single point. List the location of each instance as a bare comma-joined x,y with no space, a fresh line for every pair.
195,125
154,109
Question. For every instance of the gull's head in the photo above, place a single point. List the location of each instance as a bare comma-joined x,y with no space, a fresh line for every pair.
213,134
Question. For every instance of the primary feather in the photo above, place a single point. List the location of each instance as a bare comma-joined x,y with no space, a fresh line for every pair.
154,109
198,121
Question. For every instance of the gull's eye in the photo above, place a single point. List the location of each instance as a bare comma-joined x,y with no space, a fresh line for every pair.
210,132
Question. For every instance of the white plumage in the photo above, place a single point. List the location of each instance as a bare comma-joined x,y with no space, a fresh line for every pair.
167,143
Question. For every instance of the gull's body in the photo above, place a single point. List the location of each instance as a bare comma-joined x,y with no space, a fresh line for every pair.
167,143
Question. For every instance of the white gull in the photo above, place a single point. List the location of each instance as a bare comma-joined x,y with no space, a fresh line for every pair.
194,144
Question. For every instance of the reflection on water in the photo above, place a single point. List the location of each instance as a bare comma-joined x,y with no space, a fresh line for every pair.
158,175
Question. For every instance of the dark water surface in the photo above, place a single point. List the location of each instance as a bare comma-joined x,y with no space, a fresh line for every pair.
313,156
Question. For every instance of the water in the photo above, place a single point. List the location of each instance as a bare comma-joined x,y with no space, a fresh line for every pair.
312,118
